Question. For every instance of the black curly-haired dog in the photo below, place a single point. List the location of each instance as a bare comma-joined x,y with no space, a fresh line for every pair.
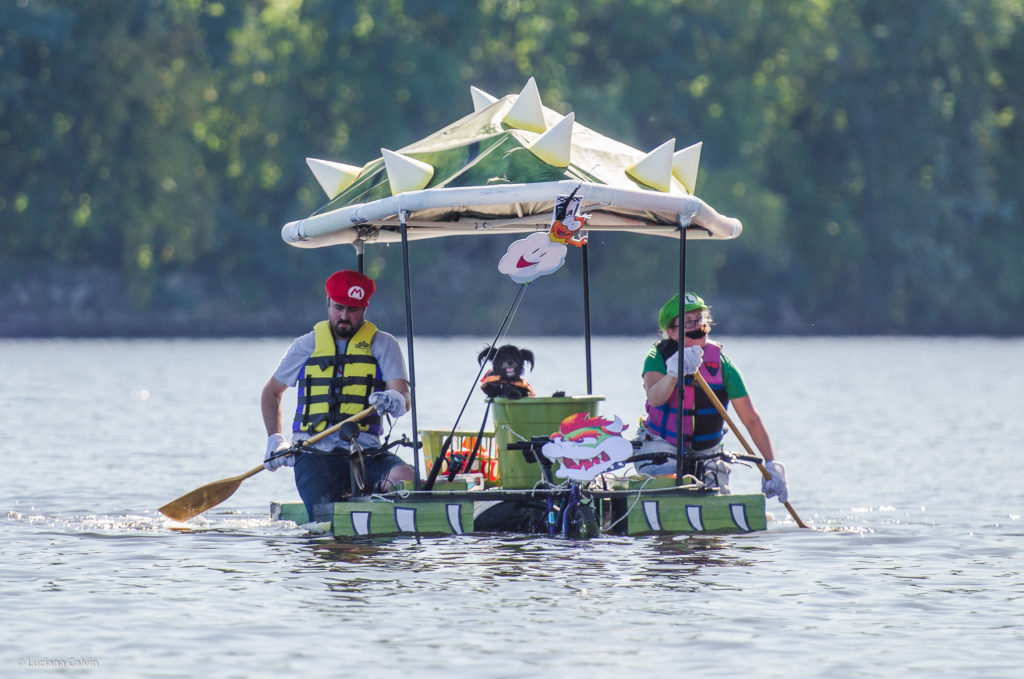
505,378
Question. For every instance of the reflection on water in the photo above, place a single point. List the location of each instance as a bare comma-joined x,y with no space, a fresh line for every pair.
913,559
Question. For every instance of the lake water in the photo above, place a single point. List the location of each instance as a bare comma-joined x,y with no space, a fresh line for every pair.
903,456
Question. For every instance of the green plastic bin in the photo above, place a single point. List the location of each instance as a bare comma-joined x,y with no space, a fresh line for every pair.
531,417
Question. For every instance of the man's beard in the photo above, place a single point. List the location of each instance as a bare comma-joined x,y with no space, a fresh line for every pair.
344,331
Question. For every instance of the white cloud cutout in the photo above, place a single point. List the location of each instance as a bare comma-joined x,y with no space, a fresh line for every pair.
532,257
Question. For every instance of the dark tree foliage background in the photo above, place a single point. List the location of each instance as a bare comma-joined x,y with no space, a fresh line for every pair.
152,149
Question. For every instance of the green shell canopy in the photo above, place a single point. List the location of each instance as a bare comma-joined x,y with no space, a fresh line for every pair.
498,170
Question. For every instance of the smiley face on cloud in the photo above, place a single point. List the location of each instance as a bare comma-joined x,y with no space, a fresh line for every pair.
532,257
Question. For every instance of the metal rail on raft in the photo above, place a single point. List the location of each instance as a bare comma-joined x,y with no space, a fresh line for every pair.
404,217
683,224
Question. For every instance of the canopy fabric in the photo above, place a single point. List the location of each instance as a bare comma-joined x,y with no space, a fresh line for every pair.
486,179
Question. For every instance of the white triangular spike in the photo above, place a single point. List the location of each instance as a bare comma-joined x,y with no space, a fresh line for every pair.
553,147
655,169
481,99
405,173
332,177
685,164
528,111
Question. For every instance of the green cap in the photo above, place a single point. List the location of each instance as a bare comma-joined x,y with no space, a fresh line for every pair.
692,302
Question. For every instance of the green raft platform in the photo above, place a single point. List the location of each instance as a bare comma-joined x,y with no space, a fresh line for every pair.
658,511
508,489
515,167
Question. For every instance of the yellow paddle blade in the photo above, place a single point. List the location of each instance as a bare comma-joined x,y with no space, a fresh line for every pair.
212,494
203,498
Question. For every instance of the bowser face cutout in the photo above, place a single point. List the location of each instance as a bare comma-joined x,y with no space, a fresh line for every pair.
586,446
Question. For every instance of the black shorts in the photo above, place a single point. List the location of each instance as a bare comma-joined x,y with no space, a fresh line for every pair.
327,477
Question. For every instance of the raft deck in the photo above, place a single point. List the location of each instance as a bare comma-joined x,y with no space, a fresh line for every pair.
673,510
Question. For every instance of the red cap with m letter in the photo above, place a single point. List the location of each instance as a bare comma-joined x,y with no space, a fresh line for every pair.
350,288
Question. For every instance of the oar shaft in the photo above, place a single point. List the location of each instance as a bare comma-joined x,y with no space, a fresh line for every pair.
335,427
699,379
252,472
294,448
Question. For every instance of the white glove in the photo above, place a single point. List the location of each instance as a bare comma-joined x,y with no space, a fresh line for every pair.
692,357
776,485
275,444
388,401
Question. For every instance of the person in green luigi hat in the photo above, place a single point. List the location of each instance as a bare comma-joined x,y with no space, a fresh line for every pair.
703,426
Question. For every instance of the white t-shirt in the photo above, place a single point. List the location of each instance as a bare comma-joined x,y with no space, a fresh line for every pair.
384,348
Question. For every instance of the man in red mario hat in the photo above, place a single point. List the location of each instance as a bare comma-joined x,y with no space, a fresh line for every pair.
341,367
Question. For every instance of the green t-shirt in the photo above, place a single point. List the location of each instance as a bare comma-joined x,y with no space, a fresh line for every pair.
732,380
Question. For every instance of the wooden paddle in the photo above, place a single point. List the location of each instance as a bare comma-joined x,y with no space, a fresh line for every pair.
699,379
212,494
